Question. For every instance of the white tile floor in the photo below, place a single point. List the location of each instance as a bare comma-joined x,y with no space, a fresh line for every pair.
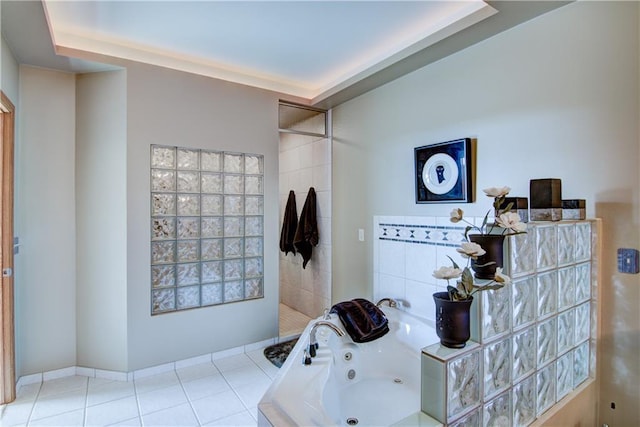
224,392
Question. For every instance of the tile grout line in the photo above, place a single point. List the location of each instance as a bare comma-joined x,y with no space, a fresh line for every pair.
195,414
35,401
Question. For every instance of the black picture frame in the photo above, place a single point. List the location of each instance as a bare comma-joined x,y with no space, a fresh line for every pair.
448,174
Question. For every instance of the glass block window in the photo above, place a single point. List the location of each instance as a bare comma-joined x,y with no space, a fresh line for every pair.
207,227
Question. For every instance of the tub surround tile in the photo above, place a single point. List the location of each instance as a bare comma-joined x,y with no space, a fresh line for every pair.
524,401
497,412
546,328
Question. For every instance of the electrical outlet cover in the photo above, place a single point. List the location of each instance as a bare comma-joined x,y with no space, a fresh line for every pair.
628,261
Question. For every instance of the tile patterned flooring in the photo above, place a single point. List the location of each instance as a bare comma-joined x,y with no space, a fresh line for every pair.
224,392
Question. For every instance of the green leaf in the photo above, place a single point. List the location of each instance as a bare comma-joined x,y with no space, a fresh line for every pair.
466,232
484,222
467,280
454,295
453,262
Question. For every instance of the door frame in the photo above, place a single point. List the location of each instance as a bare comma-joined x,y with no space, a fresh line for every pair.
7,334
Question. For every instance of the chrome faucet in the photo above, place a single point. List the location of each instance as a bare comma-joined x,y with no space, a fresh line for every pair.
392,303
313,342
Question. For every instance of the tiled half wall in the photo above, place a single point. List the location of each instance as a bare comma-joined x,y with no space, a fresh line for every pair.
535,338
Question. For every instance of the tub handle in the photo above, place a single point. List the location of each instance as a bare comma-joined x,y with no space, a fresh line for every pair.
306,359
312,349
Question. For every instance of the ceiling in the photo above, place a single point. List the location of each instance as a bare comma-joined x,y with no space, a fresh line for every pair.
320,51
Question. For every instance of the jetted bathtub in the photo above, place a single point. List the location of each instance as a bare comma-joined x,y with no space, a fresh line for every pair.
369,384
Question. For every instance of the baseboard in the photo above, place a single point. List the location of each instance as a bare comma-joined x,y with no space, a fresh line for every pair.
144,372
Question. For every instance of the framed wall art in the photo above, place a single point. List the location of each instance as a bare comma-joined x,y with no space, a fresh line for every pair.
443,172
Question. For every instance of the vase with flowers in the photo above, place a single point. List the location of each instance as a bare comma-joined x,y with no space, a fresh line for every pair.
490,237
483,251
453,307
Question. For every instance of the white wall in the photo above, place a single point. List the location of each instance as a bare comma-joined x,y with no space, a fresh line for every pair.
45,284
554,97
305,162
173,108
101,213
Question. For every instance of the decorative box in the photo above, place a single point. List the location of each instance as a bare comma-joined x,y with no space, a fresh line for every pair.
545,199
574,209
520,206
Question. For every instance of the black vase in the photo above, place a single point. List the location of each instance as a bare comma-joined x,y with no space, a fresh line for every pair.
493,244
452,320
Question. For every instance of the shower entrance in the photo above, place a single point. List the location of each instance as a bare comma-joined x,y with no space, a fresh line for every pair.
305,163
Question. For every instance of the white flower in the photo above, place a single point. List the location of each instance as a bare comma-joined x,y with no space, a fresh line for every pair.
497,191
456,215
447,273
511,221
470,250
502,278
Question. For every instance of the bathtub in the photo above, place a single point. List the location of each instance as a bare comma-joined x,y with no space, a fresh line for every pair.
370,384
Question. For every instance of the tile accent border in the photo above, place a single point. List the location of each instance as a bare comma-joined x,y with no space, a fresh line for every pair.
438,235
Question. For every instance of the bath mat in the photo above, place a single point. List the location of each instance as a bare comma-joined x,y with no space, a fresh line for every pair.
278,353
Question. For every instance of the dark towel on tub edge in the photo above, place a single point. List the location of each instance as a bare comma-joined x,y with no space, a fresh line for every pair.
362,319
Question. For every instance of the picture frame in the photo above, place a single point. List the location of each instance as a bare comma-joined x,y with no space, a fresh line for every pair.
443,172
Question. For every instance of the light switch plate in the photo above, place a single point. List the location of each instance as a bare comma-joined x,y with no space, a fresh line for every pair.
628,261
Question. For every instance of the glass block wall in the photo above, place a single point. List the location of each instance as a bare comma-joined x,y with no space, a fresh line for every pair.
536,337
206,228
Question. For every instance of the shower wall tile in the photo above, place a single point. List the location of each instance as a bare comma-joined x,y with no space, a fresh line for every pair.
304,162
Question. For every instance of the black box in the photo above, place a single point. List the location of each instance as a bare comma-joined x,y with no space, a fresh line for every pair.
545,199
574,209
520,206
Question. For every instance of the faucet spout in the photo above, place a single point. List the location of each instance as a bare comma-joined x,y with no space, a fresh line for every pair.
392,303
313,342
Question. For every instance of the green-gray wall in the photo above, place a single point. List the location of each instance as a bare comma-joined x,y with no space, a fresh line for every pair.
173,108
554,97
83,274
